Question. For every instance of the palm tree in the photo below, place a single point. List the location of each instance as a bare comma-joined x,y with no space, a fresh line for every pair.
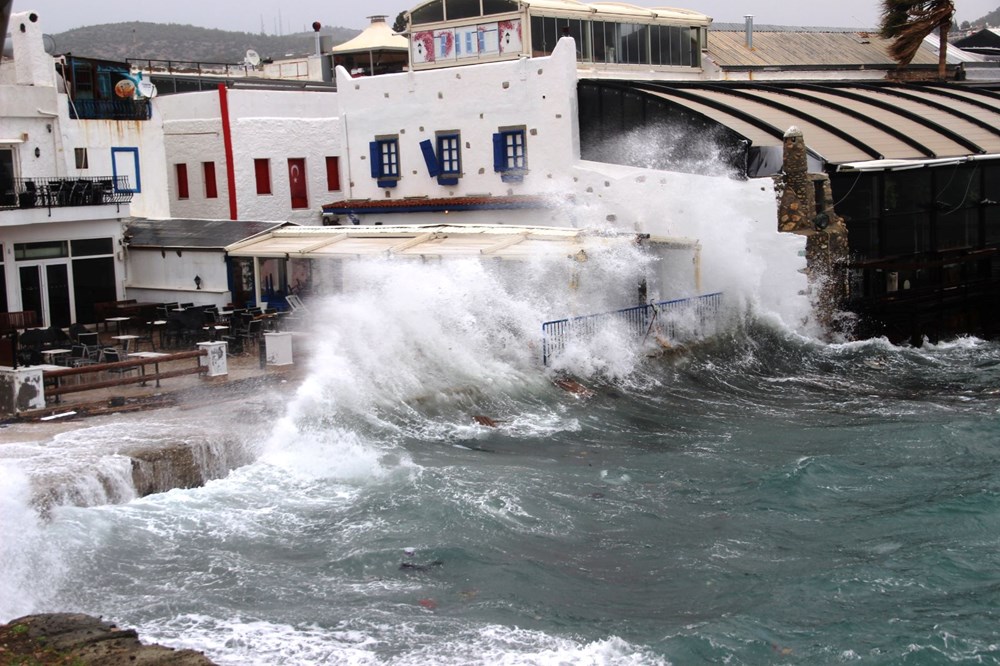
907,22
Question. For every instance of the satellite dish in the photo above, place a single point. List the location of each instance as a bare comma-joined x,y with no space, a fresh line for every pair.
252,58
146,88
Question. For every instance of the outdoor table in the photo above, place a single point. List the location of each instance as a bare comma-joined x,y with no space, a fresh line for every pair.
213,330
118,322
125,341
156,366
52,355
161,326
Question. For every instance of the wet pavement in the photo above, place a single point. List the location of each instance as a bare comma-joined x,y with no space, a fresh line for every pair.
246,373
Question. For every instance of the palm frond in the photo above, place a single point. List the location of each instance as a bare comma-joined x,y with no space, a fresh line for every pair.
908,22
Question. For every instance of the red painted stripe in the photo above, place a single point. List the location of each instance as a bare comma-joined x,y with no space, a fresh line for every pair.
227,137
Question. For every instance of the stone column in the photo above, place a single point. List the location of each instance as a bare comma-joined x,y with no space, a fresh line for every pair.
806,208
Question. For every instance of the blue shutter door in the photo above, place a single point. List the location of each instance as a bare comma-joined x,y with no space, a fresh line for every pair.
499,153
376,157
433,166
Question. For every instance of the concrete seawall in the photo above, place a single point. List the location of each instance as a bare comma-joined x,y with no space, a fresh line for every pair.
150,442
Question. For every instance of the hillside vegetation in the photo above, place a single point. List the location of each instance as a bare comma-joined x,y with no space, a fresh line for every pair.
173,41
991,19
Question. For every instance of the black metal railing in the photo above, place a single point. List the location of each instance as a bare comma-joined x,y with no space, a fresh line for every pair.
50,193
110,109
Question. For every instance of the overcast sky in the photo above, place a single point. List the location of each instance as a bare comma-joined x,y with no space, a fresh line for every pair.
284,17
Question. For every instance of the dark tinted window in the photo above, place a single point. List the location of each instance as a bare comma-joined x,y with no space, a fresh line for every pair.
92,246
460,9
428,13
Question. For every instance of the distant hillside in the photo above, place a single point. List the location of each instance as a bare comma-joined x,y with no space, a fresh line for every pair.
173,41
992,19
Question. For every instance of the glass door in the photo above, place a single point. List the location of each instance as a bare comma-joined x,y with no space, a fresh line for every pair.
31,291
45,289
57,288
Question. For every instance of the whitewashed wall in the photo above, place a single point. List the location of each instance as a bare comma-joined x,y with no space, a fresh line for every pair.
273,125
192,134
538,93
155,276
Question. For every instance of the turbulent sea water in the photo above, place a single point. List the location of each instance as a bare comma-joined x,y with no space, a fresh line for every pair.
761,498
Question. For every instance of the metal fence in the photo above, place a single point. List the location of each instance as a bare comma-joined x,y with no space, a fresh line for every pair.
674,320
44,192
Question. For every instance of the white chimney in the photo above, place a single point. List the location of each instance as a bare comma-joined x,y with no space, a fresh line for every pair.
749,18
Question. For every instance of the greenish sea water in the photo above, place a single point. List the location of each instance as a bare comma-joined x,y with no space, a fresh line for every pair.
763,498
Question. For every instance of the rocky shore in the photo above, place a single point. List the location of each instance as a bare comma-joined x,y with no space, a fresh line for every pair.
74,639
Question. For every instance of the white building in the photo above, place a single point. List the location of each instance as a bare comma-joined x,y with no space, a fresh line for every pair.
499,143
66,186
251,154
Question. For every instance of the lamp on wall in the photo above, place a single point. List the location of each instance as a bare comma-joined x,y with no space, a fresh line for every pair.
197,282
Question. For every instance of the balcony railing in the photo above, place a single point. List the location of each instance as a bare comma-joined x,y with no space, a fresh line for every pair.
63,192
110,109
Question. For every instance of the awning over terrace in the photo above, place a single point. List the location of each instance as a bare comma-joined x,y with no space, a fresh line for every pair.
438,241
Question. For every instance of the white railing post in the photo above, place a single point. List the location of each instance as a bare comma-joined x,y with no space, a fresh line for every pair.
215,360
21,390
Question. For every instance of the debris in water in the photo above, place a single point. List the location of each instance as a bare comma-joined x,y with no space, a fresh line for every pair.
784,651
413,566
484,420
429,604
574,387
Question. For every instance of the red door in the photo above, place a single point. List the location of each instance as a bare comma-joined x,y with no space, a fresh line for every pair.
297,182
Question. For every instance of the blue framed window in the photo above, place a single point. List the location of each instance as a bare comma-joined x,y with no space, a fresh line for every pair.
384,154
125,169
449,155
510,154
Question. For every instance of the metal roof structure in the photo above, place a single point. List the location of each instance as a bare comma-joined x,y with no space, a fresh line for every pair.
621,10
438,241
193,234
845,121
597,11
803,48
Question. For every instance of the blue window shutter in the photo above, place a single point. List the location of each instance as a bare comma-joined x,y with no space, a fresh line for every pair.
433,167
499,153
376,157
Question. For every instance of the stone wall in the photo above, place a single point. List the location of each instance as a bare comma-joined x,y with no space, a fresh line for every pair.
805,207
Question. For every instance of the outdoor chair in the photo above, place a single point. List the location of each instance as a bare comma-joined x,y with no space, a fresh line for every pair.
111,355
80,355
296,304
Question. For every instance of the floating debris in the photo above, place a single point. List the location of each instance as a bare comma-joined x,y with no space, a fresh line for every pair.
574,387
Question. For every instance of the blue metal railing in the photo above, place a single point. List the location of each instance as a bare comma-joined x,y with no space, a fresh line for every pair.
110,109
663,318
